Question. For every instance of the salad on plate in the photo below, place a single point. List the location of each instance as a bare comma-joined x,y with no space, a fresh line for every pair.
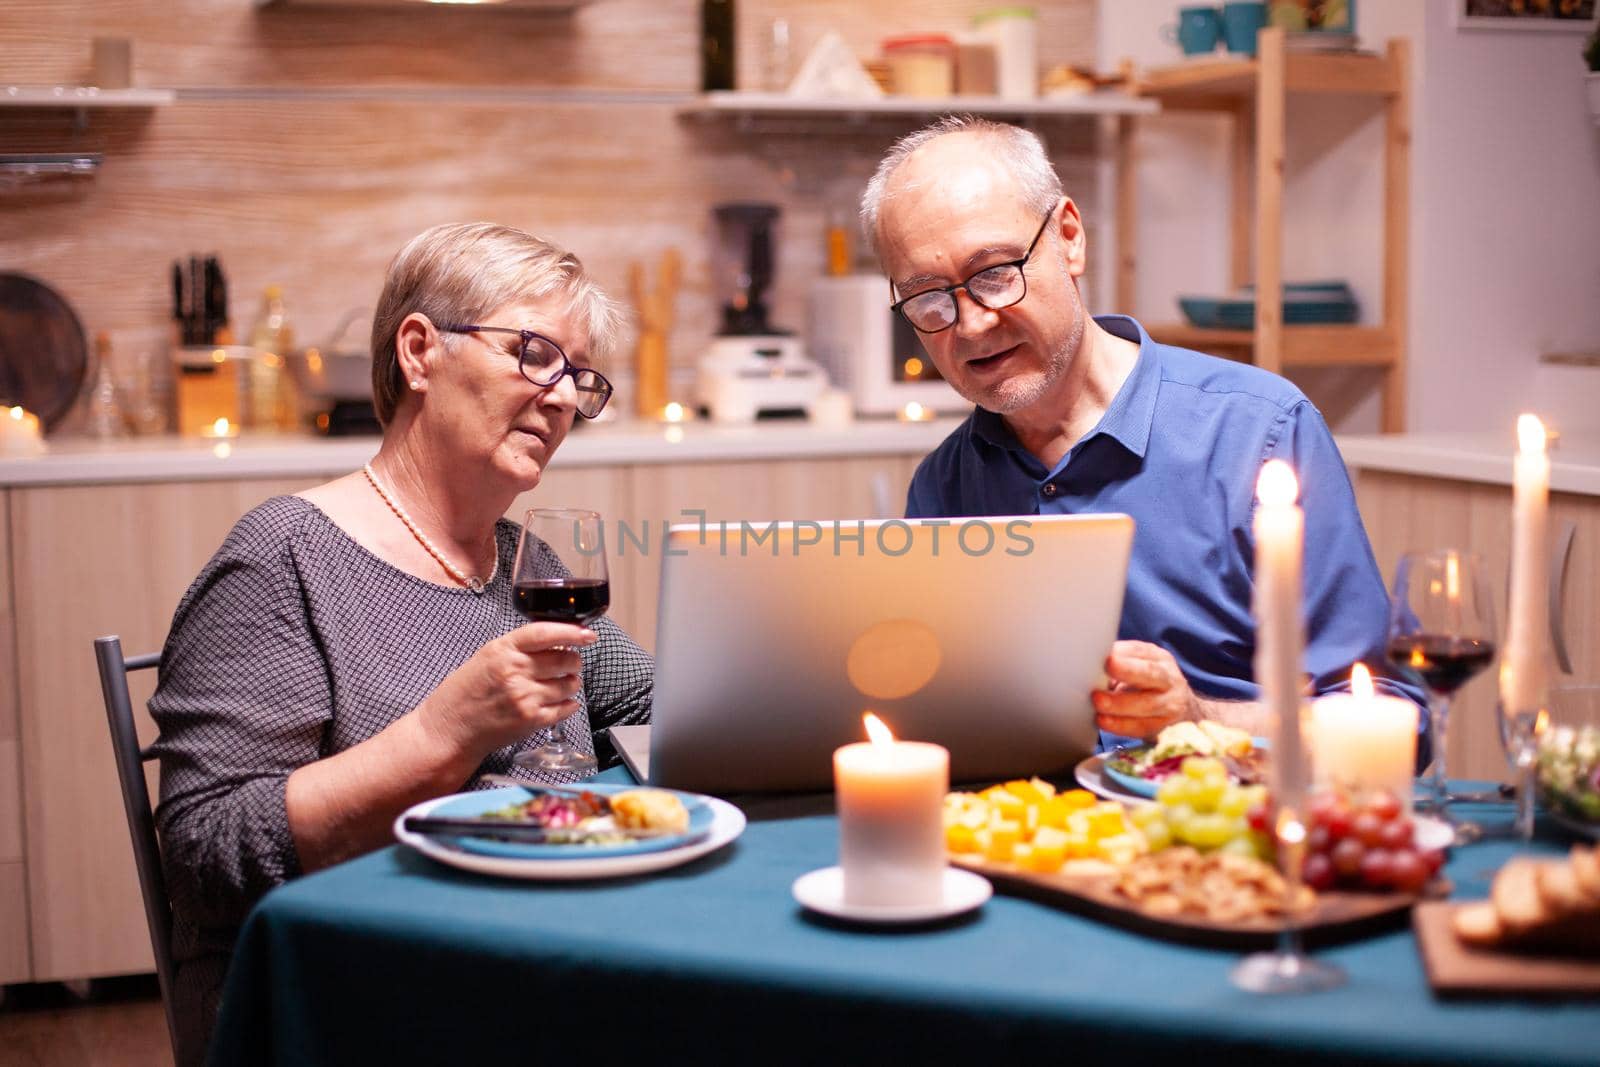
1143,767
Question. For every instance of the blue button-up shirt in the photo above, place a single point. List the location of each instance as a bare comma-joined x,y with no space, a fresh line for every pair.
1179,449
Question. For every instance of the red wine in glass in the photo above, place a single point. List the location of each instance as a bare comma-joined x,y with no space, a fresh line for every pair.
575,600
1444,661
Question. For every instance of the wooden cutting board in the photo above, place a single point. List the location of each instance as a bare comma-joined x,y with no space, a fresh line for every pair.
1457,970
44,355
1335,917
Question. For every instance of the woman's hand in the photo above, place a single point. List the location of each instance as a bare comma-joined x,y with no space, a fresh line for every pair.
1148,691
514,685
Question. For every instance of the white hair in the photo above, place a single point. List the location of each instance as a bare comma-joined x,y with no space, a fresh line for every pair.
1020,153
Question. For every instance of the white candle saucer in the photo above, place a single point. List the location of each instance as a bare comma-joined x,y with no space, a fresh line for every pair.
822,891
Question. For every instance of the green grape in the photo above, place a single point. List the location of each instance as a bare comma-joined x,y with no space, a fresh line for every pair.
1205,795
1174,790
1178,817
1208,831
1235,803
1200,766
1241,846
1158,834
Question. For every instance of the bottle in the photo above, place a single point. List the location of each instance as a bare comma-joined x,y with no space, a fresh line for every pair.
271,405
104,410
716,45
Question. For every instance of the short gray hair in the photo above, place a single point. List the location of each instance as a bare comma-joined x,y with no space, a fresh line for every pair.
1020,152
457,273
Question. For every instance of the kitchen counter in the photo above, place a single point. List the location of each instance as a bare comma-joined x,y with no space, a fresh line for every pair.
165,459
1475,457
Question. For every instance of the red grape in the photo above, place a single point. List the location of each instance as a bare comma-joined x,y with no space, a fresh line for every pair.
1396,834
1433,859
1258,818
1317,839
1377,868
1337,820
1347,857
1318,872
1384,804
1407,872
1368,829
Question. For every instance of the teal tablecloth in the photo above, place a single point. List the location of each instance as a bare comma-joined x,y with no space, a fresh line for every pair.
394,959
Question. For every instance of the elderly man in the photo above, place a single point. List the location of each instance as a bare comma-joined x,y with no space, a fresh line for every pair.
1080,414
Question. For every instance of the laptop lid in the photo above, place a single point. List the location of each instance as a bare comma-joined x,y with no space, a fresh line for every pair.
983,635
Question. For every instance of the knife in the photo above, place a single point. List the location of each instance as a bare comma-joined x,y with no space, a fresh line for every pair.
525,833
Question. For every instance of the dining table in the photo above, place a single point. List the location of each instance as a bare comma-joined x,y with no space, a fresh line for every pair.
395,958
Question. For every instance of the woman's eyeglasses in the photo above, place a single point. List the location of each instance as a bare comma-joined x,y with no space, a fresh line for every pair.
542,362
996,287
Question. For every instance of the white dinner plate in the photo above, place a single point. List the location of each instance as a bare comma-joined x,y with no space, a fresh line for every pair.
822,891
1091,774
725,823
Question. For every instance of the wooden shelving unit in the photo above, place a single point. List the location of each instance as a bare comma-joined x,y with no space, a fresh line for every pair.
1253,92
82,96
776,105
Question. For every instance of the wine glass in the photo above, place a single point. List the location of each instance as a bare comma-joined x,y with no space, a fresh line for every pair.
561,576
1287,969
1441,626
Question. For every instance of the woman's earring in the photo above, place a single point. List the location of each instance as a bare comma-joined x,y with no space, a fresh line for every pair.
416,383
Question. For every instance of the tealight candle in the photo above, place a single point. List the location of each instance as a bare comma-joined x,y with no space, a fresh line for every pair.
1363,740
914,412
19,433
891,835
220,428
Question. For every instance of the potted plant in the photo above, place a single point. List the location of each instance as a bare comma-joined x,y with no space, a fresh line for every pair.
1591,55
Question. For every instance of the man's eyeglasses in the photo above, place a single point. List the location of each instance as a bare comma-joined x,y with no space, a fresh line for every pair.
542,362
996,287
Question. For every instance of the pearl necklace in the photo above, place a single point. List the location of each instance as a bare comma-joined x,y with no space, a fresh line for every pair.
471,581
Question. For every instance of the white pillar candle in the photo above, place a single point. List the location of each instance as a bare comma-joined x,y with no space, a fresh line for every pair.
1363,740
891,834
1522,674
20,434
1279,530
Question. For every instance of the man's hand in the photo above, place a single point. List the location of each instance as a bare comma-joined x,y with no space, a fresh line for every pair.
1147,693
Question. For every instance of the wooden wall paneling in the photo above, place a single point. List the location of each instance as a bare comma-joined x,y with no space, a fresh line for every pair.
128,552
814,489
14,956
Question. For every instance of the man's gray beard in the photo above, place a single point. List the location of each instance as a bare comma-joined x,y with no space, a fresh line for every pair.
1011,396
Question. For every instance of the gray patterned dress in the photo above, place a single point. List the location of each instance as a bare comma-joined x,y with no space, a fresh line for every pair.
295,643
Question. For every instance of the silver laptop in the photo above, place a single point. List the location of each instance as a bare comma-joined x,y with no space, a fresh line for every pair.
984,635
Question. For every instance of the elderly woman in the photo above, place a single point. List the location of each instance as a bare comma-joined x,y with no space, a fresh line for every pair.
352,650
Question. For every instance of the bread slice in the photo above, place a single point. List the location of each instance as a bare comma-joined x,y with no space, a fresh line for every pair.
1477,924
1559,890
1515,895
1586,868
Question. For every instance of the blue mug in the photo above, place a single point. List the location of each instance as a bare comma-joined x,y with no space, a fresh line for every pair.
1240,21
1197,31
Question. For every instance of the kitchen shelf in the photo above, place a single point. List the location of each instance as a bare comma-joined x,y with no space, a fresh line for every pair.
79,97
538,7
1253,93
27,168
748,105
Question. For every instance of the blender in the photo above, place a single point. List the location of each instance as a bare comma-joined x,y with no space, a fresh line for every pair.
752,367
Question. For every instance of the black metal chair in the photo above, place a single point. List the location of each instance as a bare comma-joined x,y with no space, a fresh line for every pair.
114,670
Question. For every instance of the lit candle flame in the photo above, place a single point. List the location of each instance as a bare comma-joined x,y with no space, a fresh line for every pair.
914,411
673,412
1530,435
220,427
1361,686
1277,485
877,730
1452,576
1418,659
17,413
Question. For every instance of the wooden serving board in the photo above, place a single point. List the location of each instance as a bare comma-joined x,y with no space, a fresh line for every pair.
1335,917
1457,970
